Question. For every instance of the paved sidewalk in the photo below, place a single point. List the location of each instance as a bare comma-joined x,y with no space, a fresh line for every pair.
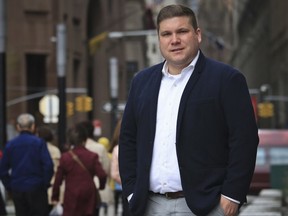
110,210
269,202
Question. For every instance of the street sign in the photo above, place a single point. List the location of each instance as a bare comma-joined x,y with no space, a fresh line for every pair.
49,108
107,107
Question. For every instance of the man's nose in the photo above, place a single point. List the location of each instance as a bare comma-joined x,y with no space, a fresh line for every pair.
175,38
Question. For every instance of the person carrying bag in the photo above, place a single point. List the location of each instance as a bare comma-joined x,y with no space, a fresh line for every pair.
81,196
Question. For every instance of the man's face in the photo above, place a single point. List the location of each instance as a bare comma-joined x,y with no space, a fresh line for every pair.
179,42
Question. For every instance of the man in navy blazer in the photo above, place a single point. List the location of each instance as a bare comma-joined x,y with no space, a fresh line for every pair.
188,138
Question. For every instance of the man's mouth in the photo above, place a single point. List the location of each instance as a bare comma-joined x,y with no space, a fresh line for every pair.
177,50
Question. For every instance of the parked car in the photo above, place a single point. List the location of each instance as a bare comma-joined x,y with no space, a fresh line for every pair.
272,151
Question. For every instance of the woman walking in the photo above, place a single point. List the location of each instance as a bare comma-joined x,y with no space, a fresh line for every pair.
77,167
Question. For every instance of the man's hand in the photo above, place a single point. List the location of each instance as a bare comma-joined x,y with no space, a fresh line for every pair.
54,202
229,207
9,195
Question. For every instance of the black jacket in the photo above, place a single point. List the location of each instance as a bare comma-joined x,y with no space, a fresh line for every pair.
216,138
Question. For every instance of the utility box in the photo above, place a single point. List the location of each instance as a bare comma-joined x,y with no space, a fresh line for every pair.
279,176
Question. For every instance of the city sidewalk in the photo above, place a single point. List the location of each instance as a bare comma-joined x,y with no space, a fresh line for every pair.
269,202
110,210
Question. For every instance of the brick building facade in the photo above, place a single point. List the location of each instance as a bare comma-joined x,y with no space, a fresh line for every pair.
250,34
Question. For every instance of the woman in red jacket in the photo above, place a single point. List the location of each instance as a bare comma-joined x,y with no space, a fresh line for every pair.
78,167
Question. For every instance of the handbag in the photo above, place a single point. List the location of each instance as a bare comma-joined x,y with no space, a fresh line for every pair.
76,158
57,210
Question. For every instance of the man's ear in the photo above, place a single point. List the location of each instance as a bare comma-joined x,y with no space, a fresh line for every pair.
18,127
33,128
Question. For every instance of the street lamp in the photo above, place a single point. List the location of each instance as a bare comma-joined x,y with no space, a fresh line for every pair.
113,63
266,89
61,67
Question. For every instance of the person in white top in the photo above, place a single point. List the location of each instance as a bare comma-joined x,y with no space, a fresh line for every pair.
115,175
46,133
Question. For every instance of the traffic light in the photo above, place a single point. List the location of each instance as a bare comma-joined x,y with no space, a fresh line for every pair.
79,105
69,108
87,104
96,41
266,110
83,103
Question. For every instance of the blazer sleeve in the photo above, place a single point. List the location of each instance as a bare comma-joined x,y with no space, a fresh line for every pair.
243,137
47,164
127,145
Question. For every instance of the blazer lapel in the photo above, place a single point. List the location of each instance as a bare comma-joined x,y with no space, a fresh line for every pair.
154,89
189,87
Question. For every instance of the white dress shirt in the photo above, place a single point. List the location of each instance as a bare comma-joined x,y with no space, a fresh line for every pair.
164,174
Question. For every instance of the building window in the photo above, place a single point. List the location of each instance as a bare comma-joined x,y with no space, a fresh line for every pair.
76,68
35,78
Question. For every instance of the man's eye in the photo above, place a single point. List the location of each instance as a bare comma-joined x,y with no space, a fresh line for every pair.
165,34
183,31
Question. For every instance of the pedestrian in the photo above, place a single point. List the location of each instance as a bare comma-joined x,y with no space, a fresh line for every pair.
2,195
46,133
104,159
26,169
110,185
188,138
115,175
78,167
105,142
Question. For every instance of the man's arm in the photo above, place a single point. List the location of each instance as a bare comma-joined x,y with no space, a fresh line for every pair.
47,164
243,136
4,169
127,146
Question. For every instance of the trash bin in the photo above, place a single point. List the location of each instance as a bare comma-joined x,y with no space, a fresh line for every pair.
279,176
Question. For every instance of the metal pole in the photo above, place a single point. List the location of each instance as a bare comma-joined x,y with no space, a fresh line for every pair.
3,133
113,91
61,67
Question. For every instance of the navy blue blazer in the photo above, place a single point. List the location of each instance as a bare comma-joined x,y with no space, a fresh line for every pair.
216,139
